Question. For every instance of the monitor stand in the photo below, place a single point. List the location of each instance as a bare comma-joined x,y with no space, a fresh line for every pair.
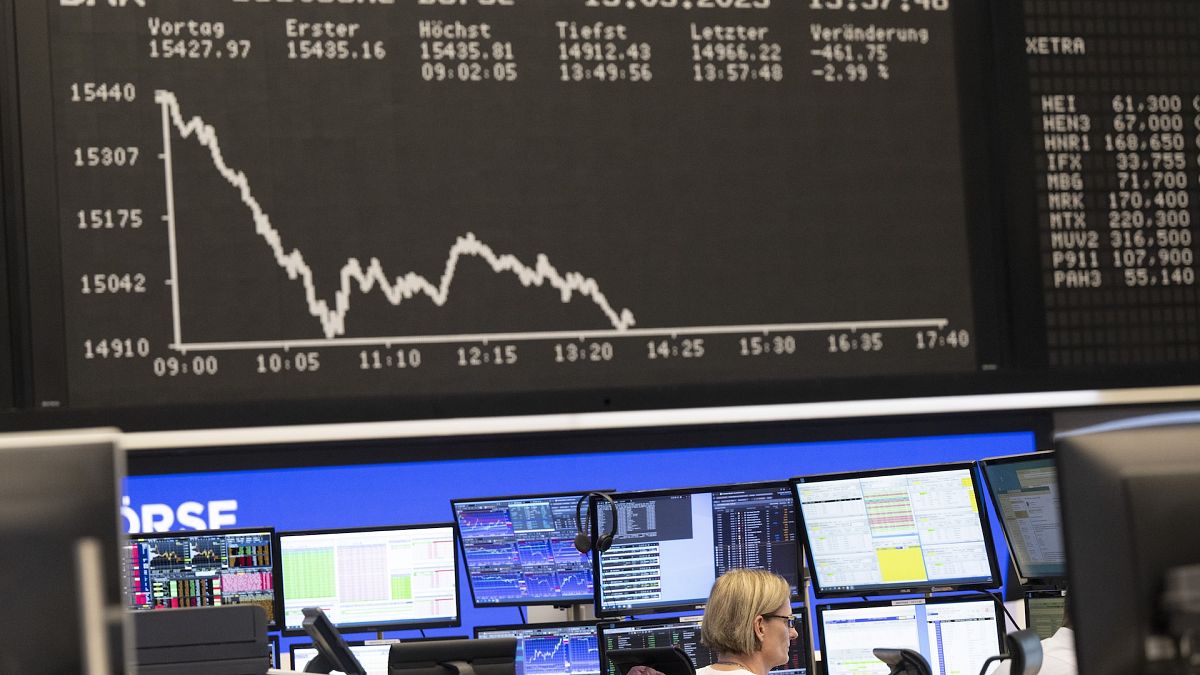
544,614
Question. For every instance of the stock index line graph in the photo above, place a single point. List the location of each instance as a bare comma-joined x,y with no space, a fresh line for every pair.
398,289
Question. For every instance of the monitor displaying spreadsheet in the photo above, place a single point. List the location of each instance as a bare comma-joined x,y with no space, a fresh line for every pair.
896,530
1045,612
373,655
372,578
1024,491
956,635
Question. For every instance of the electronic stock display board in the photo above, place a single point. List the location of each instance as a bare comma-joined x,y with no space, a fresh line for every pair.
226,201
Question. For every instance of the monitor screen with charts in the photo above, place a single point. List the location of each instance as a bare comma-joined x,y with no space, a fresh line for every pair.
671,545
955,635
372,578
1045,612
551,648
521,550
684,632
896,530
1024,491
372,655
202,569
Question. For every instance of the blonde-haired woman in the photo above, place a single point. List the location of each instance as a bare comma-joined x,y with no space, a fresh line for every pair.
748,623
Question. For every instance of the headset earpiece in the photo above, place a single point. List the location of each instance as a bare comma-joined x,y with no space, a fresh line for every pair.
605,541
583,539
583,543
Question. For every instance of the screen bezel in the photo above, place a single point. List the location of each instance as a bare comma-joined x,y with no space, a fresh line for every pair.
276,567
462,548
941,600
638,623
1042,594
533,626
296,646
273,643
544,627
672,605
1046,581
381,626
905,588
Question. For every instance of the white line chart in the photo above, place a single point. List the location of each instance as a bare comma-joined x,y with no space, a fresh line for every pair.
353,276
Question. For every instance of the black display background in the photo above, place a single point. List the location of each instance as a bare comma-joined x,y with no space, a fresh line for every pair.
693,204
997,266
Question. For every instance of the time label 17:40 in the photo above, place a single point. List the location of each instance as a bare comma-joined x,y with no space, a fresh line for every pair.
943,339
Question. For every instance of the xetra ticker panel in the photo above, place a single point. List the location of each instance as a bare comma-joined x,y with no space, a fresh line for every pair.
1115,114
269,199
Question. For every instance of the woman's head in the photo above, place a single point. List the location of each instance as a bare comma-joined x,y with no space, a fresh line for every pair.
740,617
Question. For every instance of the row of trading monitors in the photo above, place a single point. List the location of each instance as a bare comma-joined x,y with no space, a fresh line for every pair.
883,532
955,634
600,206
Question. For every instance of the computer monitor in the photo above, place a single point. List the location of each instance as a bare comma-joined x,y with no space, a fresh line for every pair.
447,657
684,632
273,645
1045,612
954,634
59,500
1024,492
1130,511
671,545
372,578
208,568
904,530
521,550
551,648
372,655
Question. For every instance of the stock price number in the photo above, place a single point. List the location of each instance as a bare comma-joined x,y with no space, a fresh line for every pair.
687,348
112,284
103,92
583,352
109,219
300,362
336,50
194,48
116,348
498,355
378,359
845,343
943,339
767,345
94,156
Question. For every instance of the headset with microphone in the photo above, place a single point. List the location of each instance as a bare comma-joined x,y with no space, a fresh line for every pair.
584,541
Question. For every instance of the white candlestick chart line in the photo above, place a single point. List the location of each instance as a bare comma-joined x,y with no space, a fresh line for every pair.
409,285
